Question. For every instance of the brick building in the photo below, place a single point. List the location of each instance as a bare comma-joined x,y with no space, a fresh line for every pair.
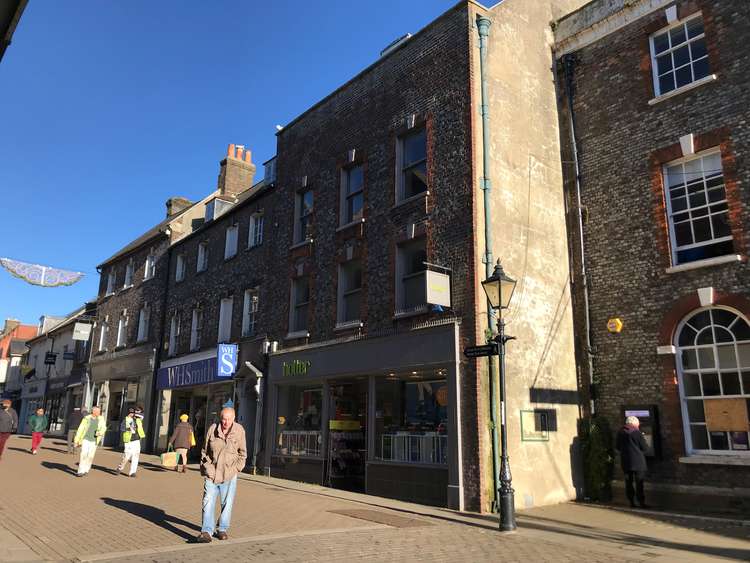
658,92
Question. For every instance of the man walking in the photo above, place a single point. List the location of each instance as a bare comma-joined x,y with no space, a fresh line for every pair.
132,434
632,447
223,456
8,423
89,436
38,423
74,421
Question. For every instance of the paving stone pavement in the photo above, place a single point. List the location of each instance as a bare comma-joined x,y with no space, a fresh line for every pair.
47,514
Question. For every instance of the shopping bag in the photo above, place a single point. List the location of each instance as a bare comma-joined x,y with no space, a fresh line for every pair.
192,439
169,458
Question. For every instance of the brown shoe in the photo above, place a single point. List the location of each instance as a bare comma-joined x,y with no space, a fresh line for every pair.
222,535
203,537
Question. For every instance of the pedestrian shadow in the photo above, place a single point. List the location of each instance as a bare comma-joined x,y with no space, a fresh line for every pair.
25,450
155,516
59,466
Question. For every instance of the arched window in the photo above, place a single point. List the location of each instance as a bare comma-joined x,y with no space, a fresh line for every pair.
713,353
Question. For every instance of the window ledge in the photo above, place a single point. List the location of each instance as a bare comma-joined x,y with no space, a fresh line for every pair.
120,347
350,225
228,258
421,310
348,325
253,246
301,244
203,271
408,200
706,263
687,87
296,335
708,459
125,287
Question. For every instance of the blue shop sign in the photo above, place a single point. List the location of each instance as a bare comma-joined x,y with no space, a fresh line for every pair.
199,372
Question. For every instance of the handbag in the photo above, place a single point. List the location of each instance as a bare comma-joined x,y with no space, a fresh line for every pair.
169,458
192,440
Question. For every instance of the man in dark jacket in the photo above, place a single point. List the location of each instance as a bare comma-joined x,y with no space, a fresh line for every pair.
632,447
8,423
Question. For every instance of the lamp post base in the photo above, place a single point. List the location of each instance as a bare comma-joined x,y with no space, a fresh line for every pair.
507,511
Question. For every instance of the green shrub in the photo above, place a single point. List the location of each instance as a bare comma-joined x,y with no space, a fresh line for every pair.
597,456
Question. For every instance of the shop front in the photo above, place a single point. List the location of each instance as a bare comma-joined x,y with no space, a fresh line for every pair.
376,415
55,404
32,398
193,385
118,383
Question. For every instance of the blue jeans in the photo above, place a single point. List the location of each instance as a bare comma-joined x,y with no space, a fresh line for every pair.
226,492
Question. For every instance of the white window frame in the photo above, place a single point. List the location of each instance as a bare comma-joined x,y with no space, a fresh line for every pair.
654,65
401,277
401,169
110,282
294,306
716,368
103,336
179,272
230,241
299,216
255,231
122,330
202,262
670,213
150,267
129,274
144,317
343,293
250,311
196,329
345,196
226,305
174,333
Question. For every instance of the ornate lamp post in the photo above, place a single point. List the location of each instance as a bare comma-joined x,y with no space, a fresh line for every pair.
499,289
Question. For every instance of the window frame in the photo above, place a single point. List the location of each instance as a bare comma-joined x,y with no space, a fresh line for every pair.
122,331
402,167
144,319
294,306
129,271
202,258
402,277
688,40
174,334
180,267
103,337
250,306
111,280
343,293
196,329
231,241
149,267
255,230
346,196
302,235
674,248
224,334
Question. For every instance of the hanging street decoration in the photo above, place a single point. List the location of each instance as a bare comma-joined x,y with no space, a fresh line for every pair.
44,276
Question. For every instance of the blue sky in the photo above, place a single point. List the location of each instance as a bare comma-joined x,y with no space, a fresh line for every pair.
108,108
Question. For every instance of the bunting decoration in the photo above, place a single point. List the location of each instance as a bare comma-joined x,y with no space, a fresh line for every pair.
44,276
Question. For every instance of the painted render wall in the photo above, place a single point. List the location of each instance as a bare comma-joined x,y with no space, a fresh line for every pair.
529,236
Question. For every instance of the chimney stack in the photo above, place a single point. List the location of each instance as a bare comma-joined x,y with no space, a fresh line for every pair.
177,204
236,172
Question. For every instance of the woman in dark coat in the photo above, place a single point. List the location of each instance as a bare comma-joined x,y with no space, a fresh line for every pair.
183,438
633,447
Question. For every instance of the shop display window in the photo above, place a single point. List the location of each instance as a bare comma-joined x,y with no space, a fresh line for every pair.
299,421
411,419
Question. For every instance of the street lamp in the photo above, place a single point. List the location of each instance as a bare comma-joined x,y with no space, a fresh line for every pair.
499,289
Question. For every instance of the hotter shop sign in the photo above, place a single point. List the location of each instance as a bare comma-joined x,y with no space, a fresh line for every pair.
199,372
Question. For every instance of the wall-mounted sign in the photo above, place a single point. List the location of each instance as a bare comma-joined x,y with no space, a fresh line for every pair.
50,358
535,425
438,288
614,325
81,331
226,359
199,372
296,367
481,351
69,355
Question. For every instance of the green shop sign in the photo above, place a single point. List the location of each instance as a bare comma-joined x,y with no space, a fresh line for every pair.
296,367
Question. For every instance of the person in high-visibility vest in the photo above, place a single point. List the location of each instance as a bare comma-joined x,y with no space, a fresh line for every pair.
132,434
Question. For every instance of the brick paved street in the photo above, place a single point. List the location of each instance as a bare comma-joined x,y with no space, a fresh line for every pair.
48,514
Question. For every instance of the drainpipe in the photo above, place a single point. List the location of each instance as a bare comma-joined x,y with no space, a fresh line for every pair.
569,63
483,25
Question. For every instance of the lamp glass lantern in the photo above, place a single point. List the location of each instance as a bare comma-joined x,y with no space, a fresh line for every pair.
499,288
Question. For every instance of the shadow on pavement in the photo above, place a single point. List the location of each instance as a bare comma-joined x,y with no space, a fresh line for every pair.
59,467
24,450
154,515
626,538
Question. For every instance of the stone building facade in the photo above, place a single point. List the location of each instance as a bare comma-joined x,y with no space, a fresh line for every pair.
658,92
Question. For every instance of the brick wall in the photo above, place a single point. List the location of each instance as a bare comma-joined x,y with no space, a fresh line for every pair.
623,142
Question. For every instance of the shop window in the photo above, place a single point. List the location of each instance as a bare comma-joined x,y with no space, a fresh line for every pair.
679,55
410,272
225,319
249,312
299,422
713,352
303,209
411,423
196,328
352,194
411,161
349,290
697,208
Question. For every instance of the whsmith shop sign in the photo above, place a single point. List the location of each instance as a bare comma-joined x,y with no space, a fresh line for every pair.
220,367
